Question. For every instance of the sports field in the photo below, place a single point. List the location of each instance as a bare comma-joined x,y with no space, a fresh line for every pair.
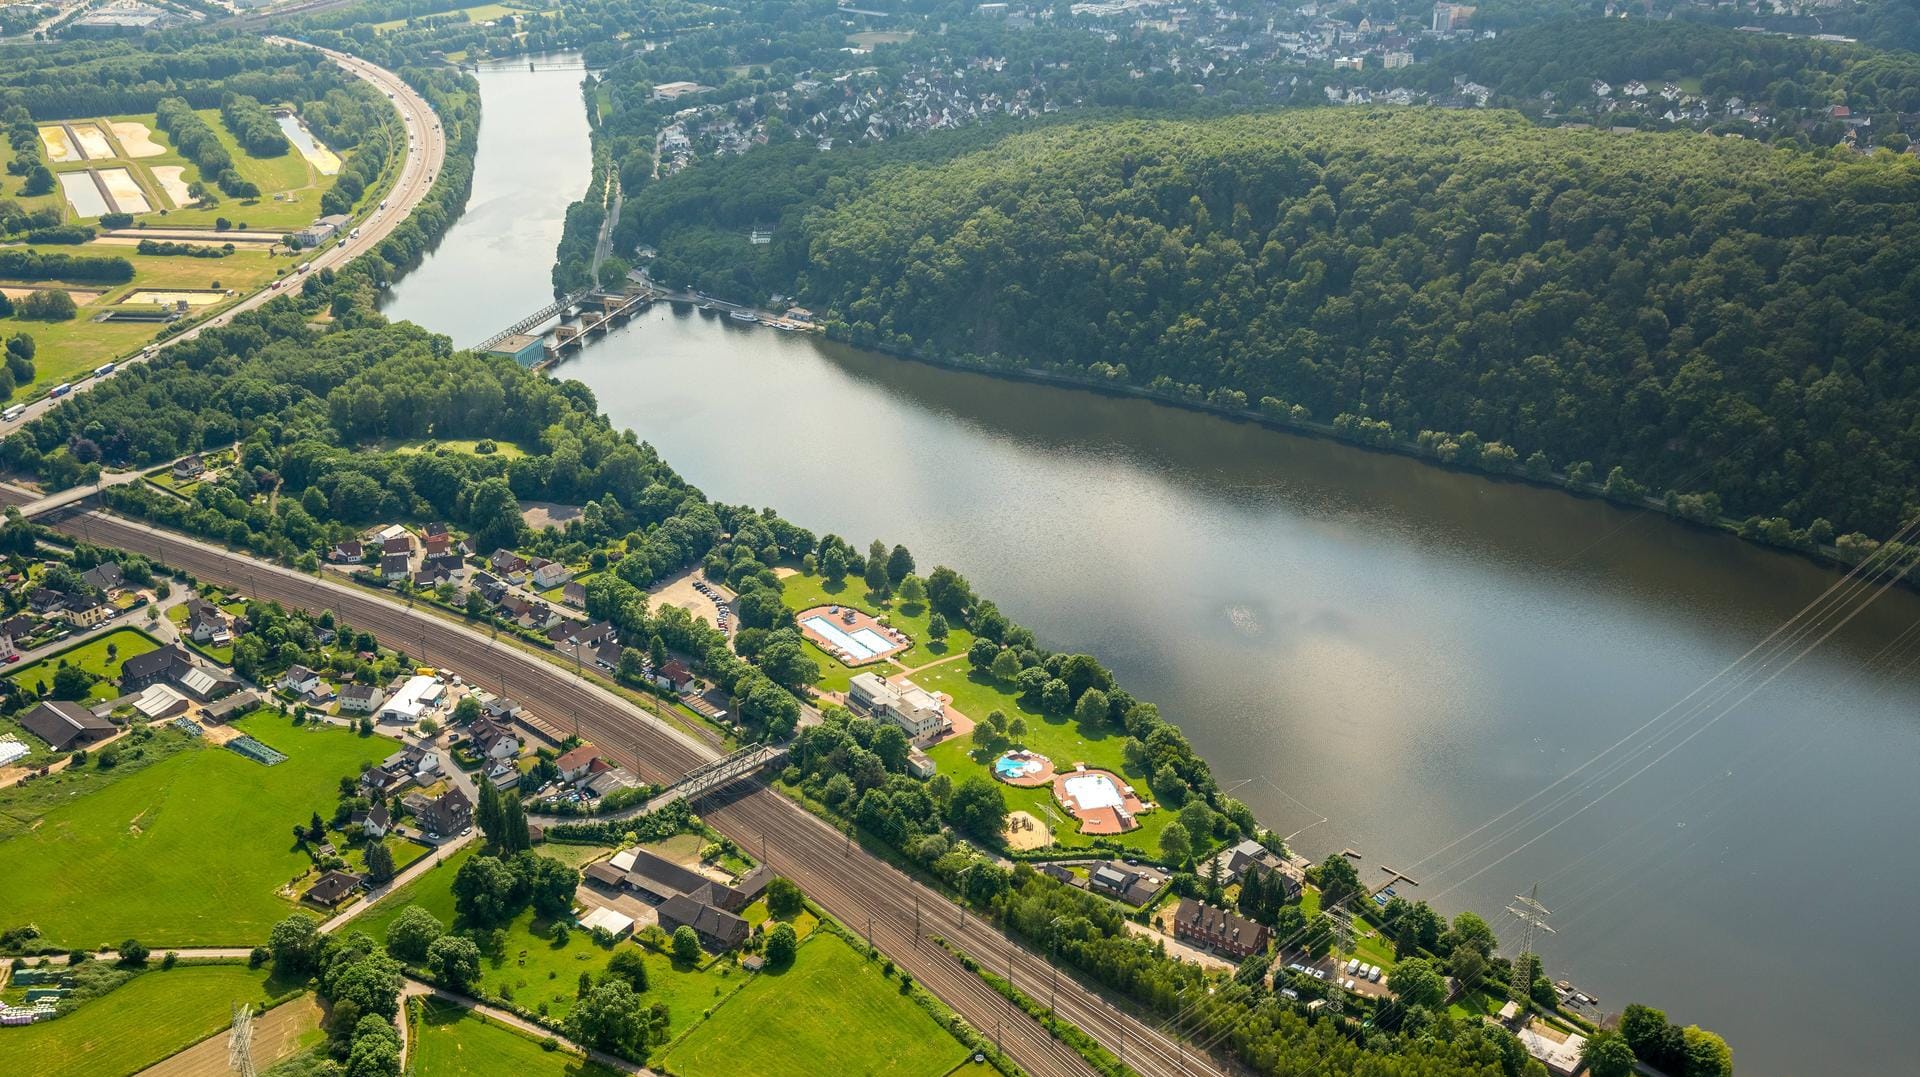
451,1042
189,851
831,1012
137,1024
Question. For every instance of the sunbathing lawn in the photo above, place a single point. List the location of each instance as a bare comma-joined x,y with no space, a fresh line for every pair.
146,1019
92,657
802,591
453,1042
203,838
832,1012
477,13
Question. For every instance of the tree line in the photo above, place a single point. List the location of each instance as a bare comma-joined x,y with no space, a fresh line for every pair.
197,143
253,126
1709,317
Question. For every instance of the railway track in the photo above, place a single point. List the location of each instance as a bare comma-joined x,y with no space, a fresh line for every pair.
853,885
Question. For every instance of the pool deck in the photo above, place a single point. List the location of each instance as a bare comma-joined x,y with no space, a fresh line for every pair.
861,619
1102,821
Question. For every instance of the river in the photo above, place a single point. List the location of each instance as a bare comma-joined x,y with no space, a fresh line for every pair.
1373,652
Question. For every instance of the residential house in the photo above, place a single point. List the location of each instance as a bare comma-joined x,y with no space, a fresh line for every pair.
7,647
299,680
395,567
577,763
189,467
442,816
86,610
446,565
494,740
1250,855
574,594
348,552
401,543
549,574
915,710
673,675
105,577
1125,882
208,623
1217,929
509,565
379,782
64,724
500,709
374,821
43,601
608,656
414,760
490,587
359,699
333,888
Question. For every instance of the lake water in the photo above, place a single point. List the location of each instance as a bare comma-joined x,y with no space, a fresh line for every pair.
1374,653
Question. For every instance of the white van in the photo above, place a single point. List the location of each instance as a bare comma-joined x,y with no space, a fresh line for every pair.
1353,965
1373,973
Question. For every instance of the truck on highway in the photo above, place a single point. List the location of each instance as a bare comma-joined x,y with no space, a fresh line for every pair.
61,389
13,413
103,370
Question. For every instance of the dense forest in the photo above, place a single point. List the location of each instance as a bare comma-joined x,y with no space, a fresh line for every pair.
98,78
1712,317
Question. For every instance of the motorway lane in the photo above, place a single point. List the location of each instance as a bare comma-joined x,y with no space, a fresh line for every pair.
425,155
849,883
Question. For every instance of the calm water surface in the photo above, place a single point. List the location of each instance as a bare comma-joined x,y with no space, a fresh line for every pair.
1372,652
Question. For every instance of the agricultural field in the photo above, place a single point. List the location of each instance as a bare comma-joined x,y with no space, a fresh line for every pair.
150,1017
453,1042
24,804
101,656
204,839
831,1012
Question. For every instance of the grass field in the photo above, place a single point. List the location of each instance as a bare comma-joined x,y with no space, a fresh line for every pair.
505,450
91,656
532,971
148,1018
21,805
203,839
801,591
831,1012
71,348
452,1042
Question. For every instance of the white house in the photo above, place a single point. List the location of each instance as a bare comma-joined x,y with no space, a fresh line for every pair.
359,699
549,574
299,680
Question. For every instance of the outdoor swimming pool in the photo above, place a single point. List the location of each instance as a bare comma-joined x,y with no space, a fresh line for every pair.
862,644
1010,766
1090,791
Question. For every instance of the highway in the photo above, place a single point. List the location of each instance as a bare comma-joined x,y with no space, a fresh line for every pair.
861,890
425,154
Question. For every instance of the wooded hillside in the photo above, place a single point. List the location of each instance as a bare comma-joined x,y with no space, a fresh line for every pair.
1710,315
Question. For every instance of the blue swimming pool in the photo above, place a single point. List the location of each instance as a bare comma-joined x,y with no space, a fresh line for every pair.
862,644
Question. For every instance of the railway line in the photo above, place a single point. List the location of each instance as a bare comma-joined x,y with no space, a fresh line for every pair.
853,885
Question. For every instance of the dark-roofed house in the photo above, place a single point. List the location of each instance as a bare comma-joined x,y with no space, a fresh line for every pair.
86,610
169,663
106,576
605,874
574,594
360,699
1250,855
445,815
350,550
333,888
63,724
44,600
1218,929
717,928
232,707
1124,882
395,567
662,878
493,740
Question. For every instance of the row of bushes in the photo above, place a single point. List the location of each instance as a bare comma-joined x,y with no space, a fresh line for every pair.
197,143
253,126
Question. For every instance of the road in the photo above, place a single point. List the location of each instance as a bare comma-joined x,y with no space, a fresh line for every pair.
425,155
861,890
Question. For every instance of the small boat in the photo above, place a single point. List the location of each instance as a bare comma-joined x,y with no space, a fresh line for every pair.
743,316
